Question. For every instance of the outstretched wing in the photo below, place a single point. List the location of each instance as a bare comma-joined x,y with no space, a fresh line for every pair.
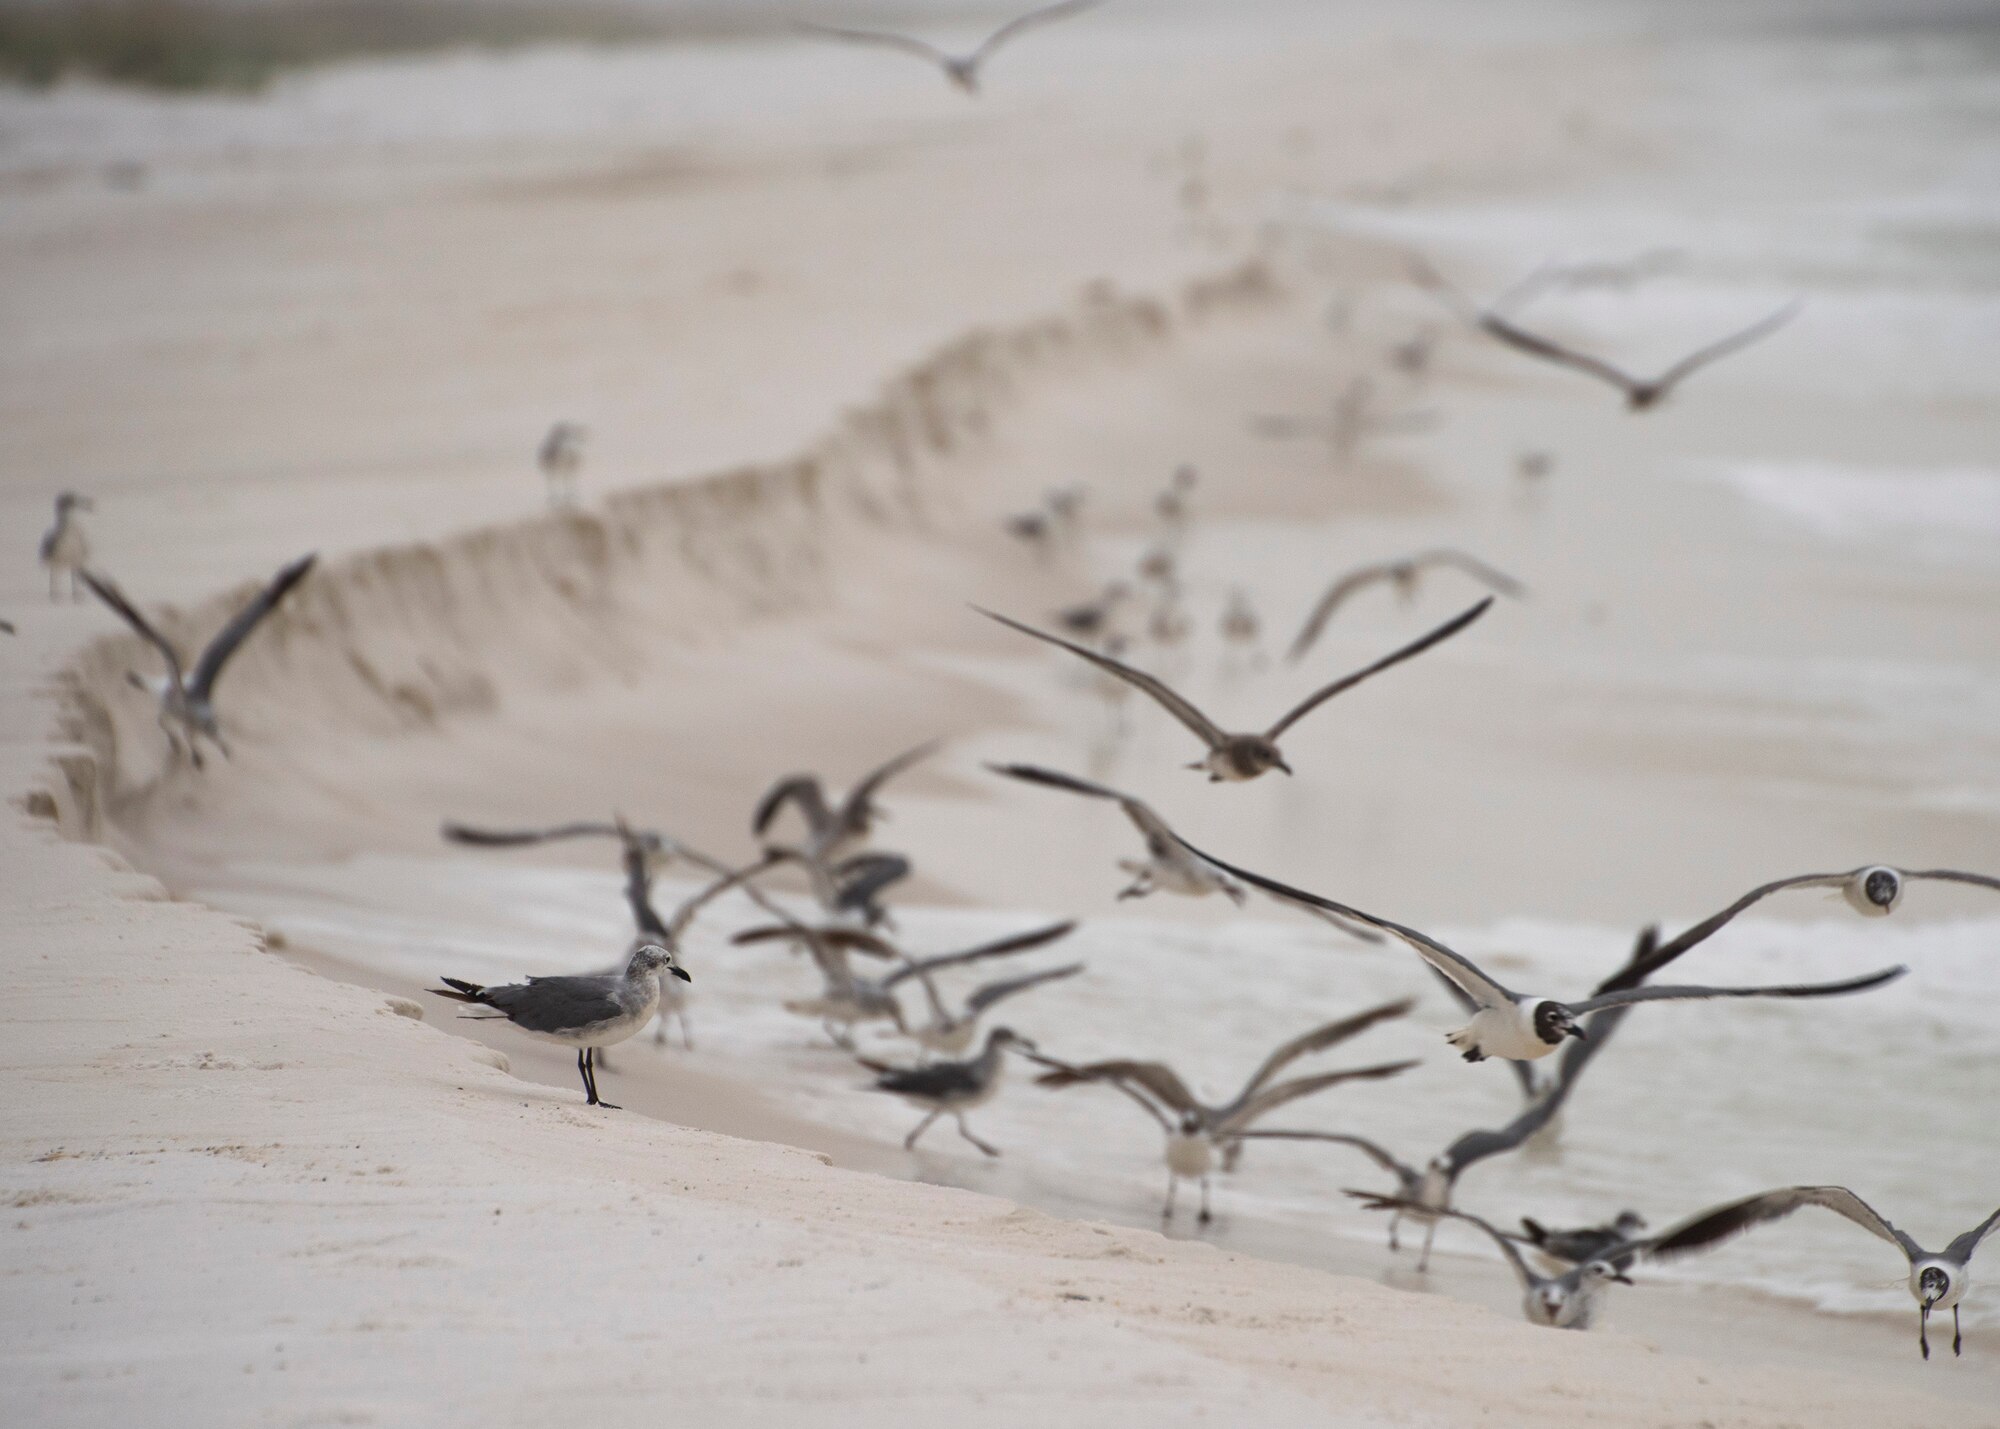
522,838
232,636
1249,1109
1374,1151
1489,576
1630,995
998,948
800,789
1347,682
852,940
685,914
1487,991
1330,1034
1952,875
1336,596
1535,345
109,593
1529,1280
1712,1227
854,808
1715,351
1962,1247
1021,23
993,992
1150,825
1642,967
1205,729
1156,1079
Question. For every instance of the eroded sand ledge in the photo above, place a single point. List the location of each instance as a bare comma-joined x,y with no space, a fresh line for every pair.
245,1190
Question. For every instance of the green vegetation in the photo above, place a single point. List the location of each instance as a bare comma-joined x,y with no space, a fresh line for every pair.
191,45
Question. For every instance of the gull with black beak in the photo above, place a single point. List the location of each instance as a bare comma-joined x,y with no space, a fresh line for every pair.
1523,1027
1561,1302
586,1012
187,703
1938,1279
1242,756
961,70
1198,1133
65,547
950,1088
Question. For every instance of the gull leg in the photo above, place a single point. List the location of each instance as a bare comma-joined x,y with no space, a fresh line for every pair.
1430,1234
1395,1219
910,1141
660,1031
583,1071
1957,1338
687,1032
1173,1185
590,1067
1923,1331
966,1132
1205,1217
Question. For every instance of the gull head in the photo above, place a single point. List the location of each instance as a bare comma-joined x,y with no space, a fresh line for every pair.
1874,891
652,957
1932,1286
1554,1022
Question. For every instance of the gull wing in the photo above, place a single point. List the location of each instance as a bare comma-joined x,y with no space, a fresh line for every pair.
800,789
855,805
1347,682
1472,566
1629,995
1717,350
684,915
1205,729
1336,595
1486,990
1713,1226
1149,823
1640,968
639,894
857,880
992,992
232,635
1330,1034
1476,1146
851,940
1962,1247
1535,345
998,948
1374,1151
1156,1079
882,39
1952,875
1529,1280
1021,23
520,838
109,593
1247,1109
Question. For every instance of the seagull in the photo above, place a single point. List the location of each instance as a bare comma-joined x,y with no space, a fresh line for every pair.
961,70
1402,574
1873,890
831,832
954,1087
1170,866
1938,1279
1238,757
852,884
1641,393
585,1012
1583,1243
1423,1194
1562,1302
950,1033
64,546
187,706
1093,617
1524,1027
559,456
1196,1132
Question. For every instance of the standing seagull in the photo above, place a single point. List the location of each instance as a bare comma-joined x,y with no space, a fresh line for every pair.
560,456
1522,1027
1197,1132
187,706
1403,574
1641,393
1170,866
1237,757
954,1087
831,832
1562,1302
1938,1279
961,70
585,1012
64,545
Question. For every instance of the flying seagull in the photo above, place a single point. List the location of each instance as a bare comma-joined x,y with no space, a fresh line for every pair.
1938,1279
1524,1027
585,1012
1237,757
187,706
1641,393
949,1033
1197,1132
65,547
954,1087
1562,1302
832,831
961,70
1170,867
1403,574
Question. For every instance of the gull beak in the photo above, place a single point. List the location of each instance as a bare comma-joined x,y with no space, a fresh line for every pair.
1622,1278
680,972
1576,1031
1284,768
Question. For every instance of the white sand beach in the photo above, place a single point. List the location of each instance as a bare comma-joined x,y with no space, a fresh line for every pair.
829,323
